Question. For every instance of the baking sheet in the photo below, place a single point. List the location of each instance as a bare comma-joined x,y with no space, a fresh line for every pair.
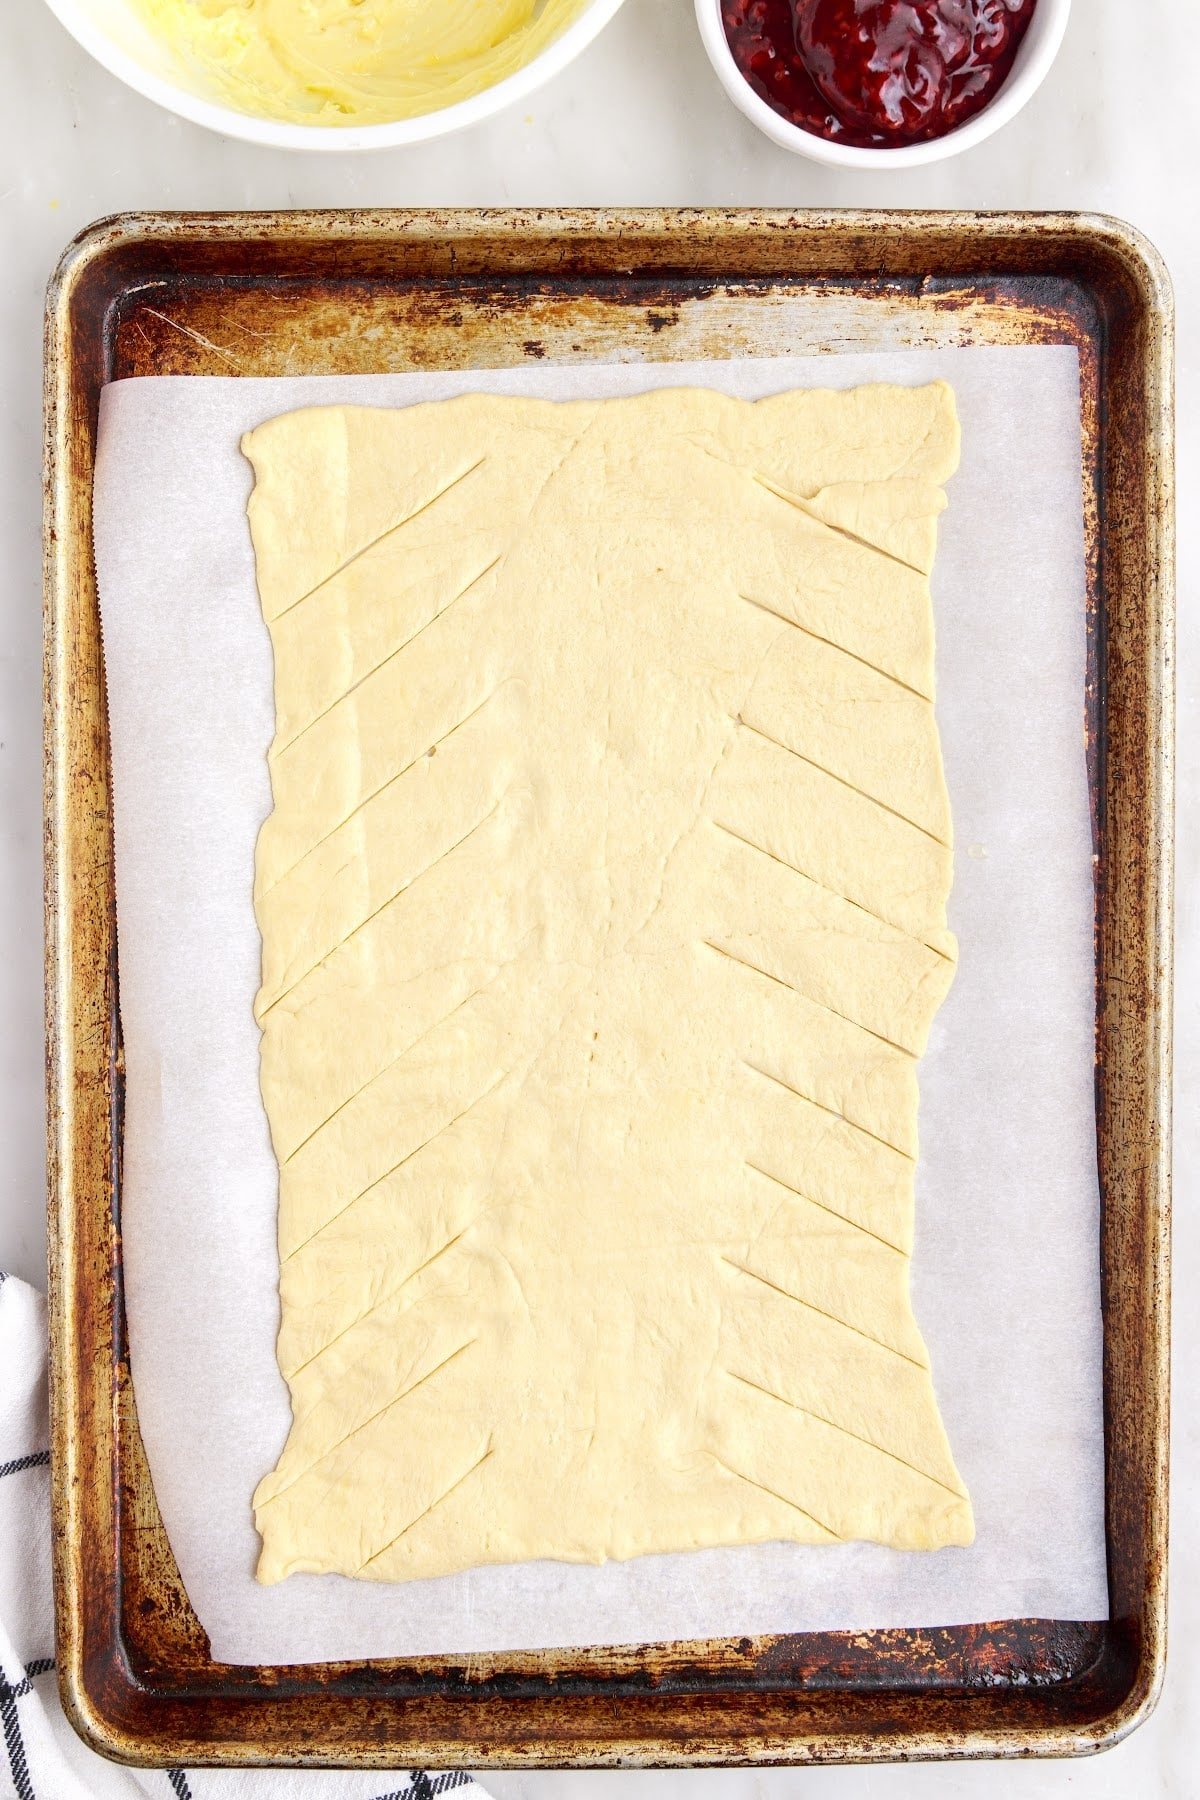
1005,1272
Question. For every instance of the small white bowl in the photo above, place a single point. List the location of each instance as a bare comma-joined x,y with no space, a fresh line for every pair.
113,32
1037,51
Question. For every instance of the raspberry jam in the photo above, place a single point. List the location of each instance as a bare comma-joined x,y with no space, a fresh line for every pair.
876,73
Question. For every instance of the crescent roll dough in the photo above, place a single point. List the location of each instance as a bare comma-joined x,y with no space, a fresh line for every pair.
603,909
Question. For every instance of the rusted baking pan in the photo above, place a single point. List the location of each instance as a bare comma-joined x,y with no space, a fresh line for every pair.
316,293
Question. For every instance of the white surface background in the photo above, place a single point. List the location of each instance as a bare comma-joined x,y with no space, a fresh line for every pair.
639,120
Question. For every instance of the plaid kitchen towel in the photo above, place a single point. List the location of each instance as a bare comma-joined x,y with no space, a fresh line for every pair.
44,1759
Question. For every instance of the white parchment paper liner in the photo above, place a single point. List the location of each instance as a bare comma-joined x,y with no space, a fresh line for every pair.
1006,1266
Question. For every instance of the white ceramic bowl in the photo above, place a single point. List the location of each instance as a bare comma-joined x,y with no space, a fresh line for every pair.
1037,51
113,32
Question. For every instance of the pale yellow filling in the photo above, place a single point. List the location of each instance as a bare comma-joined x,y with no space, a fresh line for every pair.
360,62
603,908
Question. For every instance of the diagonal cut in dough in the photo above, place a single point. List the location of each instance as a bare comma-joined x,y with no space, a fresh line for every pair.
603,909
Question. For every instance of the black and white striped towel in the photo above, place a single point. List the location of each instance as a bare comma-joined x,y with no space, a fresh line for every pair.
43,1758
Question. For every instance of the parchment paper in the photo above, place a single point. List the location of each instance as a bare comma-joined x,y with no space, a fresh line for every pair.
1005,1275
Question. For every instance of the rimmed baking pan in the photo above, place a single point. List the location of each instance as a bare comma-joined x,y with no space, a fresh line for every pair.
318,293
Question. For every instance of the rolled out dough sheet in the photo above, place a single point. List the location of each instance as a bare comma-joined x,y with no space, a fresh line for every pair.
603,905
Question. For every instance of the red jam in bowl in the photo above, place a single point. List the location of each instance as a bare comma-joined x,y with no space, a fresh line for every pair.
876,73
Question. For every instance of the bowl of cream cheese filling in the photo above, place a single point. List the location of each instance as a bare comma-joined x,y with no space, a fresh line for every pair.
334,74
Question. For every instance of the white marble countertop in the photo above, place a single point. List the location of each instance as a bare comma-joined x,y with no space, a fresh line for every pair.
639,120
